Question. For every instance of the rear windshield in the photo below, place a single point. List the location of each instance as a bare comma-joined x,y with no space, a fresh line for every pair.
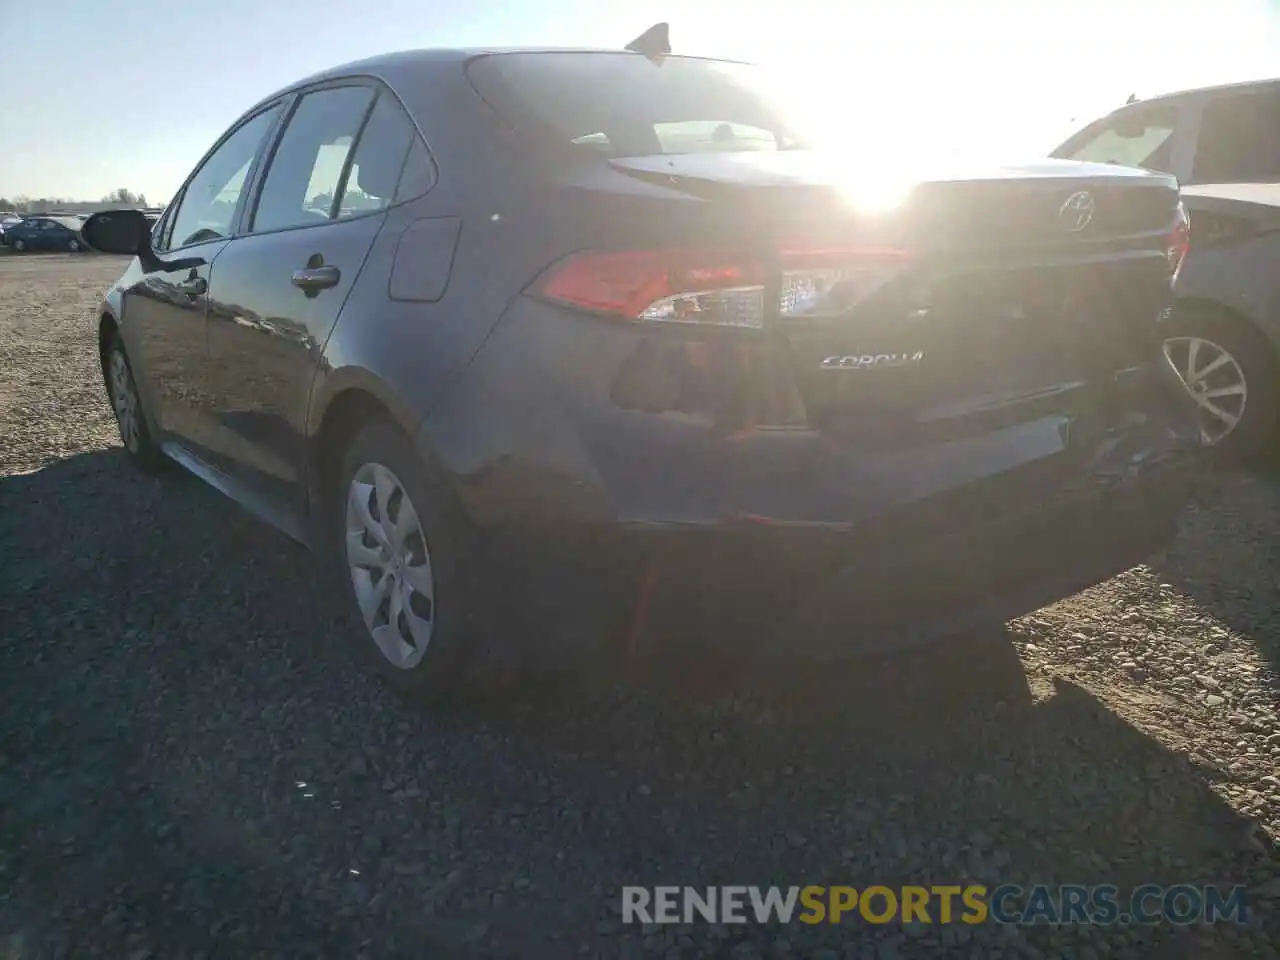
623,105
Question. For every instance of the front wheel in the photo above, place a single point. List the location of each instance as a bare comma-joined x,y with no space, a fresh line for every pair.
19,246
122,391
73,245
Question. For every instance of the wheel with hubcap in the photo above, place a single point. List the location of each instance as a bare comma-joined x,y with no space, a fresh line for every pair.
122,391
19,245
1230,371
404,555
73,245
390,565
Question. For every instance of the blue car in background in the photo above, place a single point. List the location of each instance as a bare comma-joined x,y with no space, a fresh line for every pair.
8,220
46,233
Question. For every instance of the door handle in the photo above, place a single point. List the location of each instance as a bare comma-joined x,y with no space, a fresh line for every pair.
312,279
193,286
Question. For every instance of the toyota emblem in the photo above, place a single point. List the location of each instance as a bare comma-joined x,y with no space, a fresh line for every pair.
1076,212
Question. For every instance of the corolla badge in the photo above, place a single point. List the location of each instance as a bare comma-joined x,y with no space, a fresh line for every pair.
868,361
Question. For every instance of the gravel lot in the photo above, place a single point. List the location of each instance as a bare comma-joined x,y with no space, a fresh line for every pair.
191,764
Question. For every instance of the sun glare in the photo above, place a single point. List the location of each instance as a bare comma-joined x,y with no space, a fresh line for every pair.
899,85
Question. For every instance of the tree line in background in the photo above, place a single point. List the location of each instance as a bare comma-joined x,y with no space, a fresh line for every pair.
116,198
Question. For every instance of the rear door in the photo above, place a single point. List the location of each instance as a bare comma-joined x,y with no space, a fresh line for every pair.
280,286
53,235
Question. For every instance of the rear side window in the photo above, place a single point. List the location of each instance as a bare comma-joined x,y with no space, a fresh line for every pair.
1133,138
378,160
419,173
305,173
1239,139
621,104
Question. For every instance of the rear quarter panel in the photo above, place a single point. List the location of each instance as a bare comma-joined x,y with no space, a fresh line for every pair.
404,337
1242,278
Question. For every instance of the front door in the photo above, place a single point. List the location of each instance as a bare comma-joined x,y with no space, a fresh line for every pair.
163,316
163,330
280,287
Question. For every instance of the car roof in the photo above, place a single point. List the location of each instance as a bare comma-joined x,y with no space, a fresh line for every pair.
1244,86
405,65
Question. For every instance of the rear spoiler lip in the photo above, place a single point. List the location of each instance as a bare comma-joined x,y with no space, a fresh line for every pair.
693,168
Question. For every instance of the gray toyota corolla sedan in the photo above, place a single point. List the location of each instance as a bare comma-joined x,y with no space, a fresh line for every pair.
524,342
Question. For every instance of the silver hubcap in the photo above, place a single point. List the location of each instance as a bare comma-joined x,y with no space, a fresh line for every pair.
19,245
124,400
390,565
1214,380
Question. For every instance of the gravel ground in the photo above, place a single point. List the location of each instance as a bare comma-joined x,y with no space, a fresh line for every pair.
192,765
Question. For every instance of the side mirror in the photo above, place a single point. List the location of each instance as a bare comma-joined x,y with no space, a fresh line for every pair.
118,231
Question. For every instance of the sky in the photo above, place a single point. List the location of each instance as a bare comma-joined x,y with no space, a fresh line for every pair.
102,94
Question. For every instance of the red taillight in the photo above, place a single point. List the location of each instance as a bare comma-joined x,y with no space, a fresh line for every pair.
634,283
1179,240
720,288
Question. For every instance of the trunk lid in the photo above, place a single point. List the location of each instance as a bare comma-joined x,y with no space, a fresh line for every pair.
1022,291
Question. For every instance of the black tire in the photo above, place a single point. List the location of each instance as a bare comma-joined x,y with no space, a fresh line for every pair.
74,245
1255,433
138,442
19,246
454,658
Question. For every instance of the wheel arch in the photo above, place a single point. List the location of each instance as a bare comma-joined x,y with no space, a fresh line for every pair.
108,327
341,404
1211,307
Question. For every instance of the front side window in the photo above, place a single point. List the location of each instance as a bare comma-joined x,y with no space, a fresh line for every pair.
623,105
158,230
1133,138
305,173
1239,139
207,209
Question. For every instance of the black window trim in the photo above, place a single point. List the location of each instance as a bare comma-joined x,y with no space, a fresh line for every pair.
250,177
340,189
379,88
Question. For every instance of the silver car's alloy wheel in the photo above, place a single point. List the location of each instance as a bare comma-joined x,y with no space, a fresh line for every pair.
390,565
1215,381
124,400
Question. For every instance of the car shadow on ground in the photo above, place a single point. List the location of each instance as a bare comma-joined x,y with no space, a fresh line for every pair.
1229,558
191,757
